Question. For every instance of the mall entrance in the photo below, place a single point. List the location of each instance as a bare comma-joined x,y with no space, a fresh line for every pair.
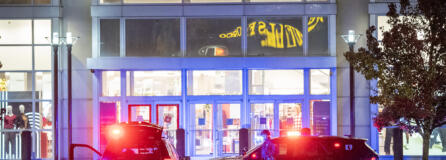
214,128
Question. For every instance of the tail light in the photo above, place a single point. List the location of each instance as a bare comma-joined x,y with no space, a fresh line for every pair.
254,156
337,145
167,159
373,158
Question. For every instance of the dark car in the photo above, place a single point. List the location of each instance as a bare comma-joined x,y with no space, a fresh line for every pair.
315,148
138,141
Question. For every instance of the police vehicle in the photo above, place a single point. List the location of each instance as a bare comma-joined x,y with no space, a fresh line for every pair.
314,148
138,141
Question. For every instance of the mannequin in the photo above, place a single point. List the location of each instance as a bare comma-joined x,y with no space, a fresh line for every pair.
23,123
10,118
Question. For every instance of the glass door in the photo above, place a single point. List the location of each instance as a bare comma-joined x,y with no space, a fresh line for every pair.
290,118
262,117
140,113
203,125
167,116
215,128
228,128
281,118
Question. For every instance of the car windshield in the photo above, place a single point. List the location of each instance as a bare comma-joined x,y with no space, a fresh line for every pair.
155,149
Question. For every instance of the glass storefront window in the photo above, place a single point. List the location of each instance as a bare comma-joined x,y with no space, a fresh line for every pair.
16,57
45,114
203,142
318,36
140,113
320,117
290,118
18,85
383,26
111,83
275,36
320,81
110,1
42,57
152,37
44,143
221,82
262,117
154,83
42,29
214,37
44,85
152,1
214,1
110,37
276,82
15,32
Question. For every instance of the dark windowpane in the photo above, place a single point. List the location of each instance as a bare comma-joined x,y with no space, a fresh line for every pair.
109,37
318,36
272,36
150,37
110,1
42,1
15,1
214,37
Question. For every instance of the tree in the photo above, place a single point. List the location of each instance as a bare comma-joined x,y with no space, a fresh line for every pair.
409,68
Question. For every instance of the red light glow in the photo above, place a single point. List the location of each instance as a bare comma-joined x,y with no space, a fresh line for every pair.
337,145
373,158
254,156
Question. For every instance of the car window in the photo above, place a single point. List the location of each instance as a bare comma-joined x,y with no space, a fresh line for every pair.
147,150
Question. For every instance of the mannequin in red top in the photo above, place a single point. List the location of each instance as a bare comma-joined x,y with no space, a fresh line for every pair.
10,120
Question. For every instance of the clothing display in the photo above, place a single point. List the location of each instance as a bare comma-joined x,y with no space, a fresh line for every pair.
26,145
34,120
9,121
10,139
22,121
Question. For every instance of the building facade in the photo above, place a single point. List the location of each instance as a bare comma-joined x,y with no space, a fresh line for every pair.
209,67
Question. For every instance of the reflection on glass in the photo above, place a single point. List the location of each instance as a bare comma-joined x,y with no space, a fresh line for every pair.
276,82
152,37
214,37
203,142
273,36
15,31
290,117
44,85
16,57
111,83
214,1
42,29
320,81
109,1
220,82
140,113
154,83
230,124
42,57
320,117
110,38
317,36
262,117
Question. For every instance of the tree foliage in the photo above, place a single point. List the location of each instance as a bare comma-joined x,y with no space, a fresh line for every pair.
409,67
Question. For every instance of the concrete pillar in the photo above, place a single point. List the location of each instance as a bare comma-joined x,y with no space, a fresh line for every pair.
352,15
77,19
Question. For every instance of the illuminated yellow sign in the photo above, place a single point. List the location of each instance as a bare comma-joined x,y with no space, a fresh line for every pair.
2,84
276,35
